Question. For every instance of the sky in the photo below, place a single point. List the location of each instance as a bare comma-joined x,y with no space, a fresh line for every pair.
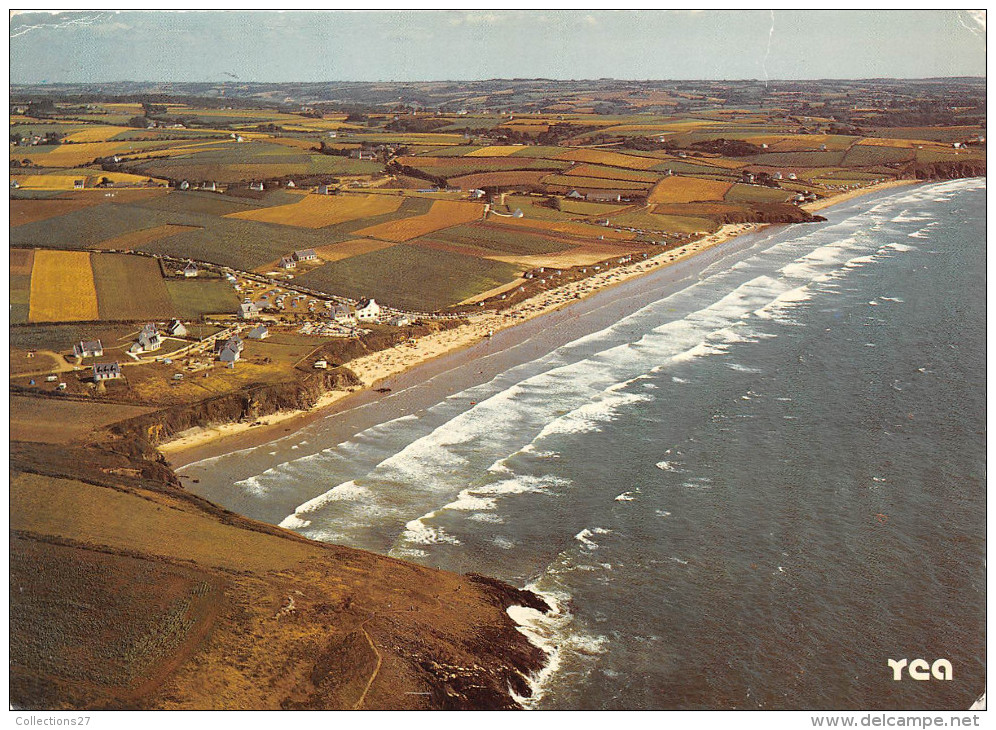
429,45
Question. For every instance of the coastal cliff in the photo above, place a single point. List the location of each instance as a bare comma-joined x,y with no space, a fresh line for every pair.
129,592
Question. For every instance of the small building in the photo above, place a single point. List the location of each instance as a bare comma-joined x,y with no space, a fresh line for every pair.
307,254
190,270
14,184
185,185
340,313
210,187
368,311
603,196
288,262
175,328
324,190
259,332
106,371
257,186
363,155
88,348
517,213
400,320
792,176
248,310
290,184
321,364
79,184
575,195
776,176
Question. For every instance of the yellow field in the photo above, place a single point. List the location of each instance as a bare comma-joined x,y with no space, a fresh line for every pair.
903,143
100,133
72,155
348,249
615,159
318,211
62,288
687,190
443,214
47,182
66,182
500,150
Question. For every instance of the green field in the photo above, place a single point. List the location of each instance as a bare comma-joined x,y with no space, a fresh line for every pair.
410,277
20,296
192,298
756,194
130,288
866,154
668,223
496,241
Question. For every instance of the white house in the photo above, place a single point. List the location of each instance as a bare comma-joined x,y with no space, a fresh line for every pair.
175,328
148,339
91,348
248,310
190,270
259,332
307,254
229,350
368,311
258,186
287,262
400,320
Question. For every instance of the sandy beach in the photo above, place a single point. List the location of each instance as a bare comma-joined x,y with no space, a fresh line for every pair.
374,368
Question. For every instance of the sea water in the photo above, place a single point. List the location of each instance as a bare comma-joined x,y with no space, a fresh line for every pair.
750,487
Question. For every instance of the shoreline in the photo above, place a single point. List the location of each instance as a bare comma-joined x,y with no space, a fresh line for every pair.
203,442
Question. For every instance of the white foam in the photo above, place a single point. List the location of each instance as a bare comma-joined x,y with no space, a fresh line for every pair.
293,522
418,532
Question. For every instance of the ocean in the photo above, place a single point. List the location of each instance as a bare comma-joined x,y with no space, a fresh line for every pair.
745,481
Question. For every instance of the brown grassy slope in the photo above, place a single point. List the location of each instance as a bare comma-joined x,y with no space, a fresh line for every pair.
124,596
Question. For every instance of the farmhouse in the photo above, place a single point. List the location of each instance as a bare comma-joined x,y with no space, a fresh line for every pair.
91,348
212,187
190,271
229,350
248,310
258,186
175,328
106,371
400,321
575,195
307,254
148,340
324,190
363,155
79,184
288,262
290,184
368,311
259,332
